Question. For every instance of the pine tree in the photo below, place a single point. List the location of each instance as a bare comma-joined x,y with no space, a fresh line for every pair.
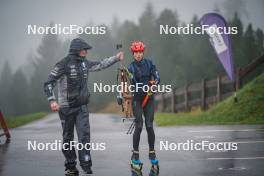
166,50
237,41
5,83
249,45
148,29
19,94
49,52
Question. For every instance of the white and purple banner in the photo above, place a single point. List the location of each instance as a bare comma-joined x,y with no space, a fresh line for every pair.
220,40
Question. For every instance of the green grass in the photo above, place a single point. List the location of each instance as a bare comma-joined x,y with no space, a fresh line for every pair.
248,110
13,122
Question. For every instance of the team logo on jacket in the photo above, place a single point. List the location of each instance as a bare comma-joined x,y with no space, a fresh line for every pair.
84,66
73,71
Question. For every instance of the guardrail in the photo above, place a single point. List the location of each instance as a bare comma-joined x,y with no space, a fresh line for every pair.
193,95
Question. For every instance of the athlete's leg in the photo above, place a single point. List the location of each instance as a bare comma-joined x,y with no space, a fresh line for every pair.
149,117
137,111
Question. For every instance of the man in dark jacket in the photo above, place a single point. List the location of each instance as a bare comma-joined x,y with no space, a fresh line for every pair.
71,75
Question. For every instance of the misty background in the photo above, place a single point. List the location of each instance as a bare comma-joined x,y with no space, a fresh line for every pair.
26,60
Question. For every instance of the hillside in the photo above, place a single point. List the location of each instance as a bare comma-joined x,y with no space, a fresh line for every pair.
248,110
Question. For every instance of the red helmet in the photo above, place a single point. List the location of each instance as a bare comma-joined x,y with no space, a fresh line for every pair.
137,46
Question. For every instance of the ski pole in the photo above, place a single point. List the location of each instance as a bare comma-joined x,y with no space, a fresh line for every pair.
134,125
131,127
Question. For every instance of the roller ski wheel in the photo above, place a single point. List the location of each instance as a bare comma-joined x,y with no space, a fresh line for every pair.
71,172
154,170
136,167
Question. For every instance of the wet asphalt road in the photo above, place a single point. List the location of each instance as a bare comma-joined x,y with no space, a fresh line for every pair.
16,159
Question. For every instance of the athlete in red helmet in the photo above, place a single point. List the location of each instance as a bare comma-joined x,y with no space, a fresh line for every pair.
137,47
143,71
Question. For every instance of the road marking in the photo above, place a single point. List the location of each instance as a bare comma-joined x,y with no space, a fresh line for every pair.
205,131
239,142
247,142
232,168
215,151
245,158
204,137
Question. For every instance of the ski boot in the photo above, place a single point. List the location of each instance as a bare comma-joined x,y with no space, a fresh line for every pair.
136,167
136,164
87,170
154,170
86,167
72,172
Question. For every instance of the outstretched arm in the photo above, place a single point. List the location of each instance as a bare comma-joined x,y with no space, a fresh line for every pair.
105,63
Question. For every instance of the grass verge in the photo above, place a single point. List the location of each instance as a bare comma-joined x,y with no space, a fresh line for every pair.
13,122
248,110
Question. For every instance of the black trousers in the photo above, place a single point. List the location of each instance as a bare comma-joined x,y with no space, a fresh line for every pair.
78,116
148,112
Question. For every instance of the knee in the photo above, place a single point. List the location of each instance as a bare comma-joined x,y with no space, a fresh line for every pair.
67,137
83,135
149,125
139,123
149,129
139,127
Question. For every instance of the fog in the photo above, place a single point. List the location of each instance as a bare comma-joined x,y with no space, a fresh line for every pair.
15,15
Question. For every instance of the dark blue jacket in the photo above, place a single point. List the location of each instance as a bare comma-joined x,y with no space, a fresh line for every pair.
143,71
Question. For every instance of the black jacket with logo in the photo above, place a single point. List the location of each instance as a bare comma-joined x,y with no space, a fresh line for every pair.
71,75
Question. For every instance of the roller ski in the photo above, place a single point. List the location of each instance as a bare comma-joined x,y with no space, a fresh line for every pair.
87,171
136,164
136,167
154,170
72,172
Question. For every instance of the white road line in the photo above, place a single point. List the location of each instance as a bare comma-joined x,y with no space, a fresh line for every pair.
204,137
247,142
205,131
232,168
238,142
215,151
246,158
